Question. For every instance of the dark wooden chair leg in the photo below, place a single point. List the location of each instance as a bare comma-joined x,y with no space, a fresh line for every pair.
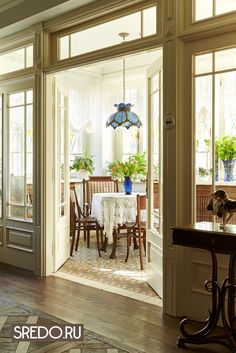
128,245
135,243
140,250
98,243
101,232
84,234
72,241
144,241
77,240
88,238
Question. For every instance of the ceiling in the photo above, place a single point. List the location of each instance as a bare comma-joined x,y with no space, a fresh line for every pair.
16,15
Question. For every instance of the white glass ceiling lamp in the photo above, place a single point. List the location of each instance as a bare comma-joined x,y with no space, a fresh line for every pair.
123,117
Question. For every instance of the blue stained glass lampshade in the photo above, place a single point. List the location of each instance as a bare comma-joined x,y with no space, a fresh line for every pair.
123,117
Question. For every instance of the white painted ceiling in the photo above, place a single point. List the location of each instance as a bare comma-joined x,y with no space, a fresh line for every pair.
16,15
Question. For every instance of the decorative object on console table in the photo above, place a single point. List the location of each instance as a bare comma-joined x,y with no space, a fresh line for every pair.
226,152
83,165
222,206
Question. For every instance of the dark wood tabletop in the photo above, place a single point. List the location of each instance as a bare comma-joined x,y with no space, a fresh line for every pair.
206,235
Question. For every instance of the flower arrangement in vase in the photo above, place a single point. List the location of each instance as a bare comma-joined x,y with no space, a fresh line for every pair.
128,170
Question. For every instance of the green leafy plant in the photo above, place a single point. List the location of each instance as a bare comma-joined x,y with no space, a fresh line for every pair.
226,148
135,165
202,171
83,161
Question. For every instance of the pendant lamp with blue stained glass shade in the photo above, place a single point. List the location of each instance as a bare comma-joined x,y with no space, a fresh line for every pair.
123,117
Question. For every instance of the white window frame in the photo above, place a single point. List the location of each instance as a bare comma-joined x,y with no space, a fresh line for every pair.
102,19
214,15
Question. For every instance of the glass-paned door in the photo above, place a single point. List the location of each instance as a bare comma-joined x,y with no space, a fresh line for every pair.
62,235
154,226
215,127
17,174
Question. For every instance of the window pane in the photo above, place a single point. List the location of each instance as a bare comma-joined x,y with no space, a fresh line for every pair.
29,97
61,151
225,59
20,150
154,83
130,141
203,128
16,150
149,21
16,99
225,126
29,56
156,115
106,34
203,145
64,47
12,61
29,142
203,9
223,6
203,63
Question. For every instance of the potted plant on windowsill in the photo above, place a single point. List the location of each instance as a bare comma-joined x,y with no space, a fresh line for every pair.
226,152
128,170
83,165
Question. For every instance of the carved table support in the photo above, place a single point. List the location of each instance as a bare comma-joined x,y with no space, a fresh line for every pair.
208,236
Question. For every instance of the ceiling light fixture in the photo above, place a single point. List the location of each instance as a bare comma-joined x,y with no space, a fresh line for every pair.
123,117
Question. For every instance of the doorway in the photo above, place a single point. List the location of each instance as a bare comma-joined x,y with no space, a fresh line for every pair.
84,97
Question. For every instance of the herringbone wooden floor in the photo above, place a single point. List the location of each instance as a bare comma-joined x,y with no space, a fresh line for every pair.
126,321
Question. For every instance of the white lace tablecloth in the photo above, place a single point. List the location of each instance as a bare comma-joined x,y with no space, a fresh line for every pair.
114,209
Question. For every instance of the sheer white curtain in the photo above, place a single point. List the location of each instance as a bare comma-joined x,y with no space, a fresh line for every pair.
91,99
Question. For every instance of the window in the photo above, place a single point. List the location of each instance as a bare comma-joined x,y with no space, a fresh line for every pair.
139,24
210,8
20,155
62,151
18,59
215,125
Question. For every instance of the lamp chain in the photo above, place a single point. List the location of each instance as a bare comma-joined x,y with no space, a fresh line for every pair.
123,35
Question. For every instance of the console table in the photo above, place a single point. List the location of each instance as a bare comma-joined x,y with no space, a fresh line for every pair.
208,236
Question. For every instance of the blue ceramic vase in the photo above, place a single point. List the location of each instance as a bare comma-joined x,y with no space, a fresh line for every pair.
128,185
229,169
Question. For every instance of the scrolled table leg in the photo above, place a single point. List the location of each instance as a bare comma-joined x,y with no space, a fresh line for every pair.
203,335
229,320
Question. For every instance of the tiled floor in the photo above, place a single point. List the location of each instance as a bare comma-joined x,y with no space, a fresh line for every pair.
126,278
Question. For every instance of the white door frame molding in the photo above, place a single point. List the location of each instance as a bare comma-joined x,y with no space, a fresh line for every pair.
192,262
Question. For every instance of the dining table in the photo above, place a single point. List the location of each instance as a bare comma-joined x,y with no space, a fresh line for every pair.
113,210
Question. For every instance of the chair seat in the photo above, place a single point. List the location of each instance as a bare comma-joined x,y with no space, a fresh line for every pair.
142,225
87,219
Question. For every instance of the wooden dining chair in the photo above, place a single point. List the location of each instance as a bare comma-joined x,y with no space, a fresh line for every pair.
138,230
82,222
97,184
